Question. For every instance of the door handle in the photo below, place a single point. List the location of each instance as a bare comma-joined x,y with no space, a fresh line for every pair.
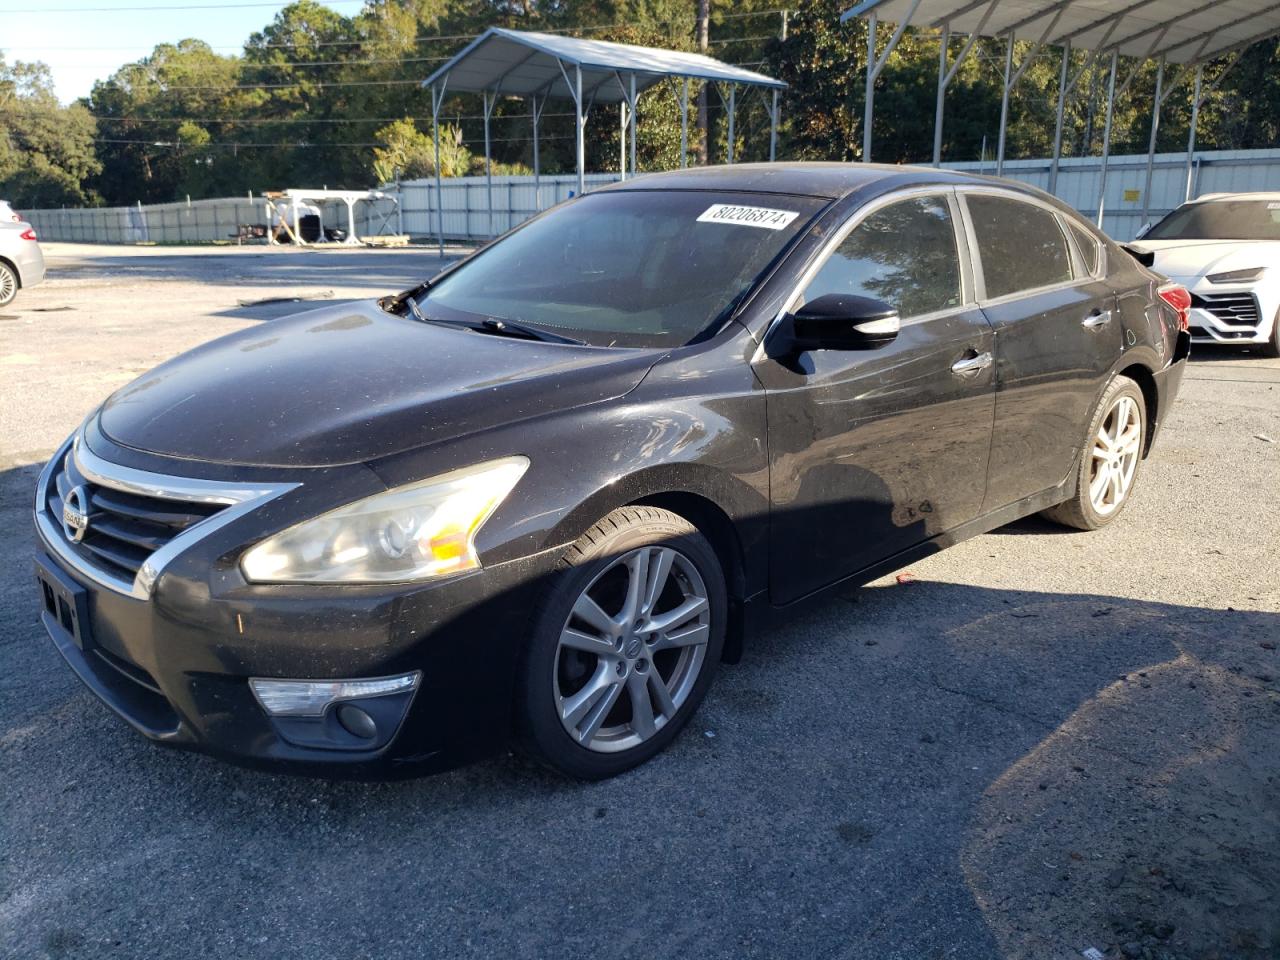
971,366
1097,319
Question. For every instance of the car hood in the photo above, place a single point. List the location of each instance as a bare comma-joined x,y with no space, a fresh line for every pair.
1192,259
351,384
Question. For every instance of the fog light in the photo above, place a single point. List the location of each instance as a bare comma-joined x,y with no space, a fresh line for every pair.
310,698
356,722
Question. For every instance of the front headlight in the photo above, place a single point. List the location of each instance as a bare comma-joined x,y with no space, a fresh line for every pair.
422,530
1236,276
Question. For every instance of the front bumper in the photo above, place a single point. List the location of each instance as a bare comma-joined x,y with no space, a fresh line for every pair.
175,662
1229,313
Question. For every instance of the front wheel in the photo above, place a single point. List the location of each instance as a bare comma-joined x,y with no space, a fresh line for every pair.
1272,347
1111,461
625,646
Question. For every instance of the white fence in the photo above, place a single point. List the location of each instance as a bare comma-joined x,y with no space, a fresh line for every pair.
468,217
1212,171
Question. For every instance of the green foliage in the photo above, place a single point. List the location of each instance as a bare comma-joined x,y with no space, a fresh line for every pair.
46,150
322,99
409,153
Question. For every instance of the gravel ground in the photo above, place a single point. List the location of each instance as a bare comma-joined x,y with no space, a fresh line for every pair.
1050,741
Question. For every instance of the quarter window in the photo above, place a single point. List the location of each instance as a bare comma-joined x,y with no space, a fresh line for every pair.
1021,245
904,254
1088,248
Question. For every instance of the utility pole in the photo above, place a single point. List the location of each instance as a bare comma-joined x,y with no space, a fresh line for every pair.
703,147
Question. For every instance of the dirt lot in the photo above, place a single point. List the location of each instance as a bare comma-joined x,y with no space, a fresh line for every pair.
1050,741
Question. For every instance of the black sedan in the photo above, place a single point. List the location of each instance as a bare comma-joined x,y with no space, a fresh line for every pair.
539,498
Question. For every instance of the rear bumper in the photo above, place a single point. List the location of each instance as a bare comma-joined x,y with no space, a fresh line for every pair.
1169,382
29,259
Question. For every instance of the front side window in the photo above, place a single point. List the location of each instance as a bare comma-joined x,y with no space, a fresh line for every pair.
1220,220
1020,244
643,268
904,254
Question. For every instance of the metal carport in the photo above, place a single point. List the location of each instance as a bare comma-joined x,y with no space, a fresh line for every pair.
1184,33
542,66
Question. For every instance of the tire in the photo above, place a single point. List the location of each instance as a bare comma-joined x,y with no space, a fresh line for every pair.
1093,507
1272,347
592,675
8,285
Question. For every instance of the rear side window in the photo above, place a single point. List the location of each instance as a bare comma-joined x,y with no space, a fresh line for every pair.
904,254
1021,245
1088,245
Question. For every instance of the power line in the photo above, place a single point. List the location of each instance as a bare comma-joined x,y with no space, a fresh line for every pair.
177,6
719,18
303,120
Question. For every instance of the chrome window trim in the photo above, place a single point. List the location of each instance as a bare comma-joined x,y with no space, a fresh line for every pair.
968,288
964,191
237,499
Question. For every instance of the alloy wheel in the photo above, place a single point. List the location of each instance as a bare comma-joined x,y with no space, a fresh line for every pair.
631,650
8,285
1114,456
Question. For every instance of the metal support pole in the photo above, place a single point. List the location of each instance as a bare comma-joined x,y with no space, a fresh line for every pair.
622,139
631,112
1004,105
773,119
1106,139
684,123
1191,137
868,107
1155,132
488,170
580,122
1062,105
733,108
942,94
537,169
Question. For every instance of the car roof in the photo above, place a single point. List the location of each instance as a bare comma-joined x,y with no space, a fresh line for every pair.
830,180
1259,195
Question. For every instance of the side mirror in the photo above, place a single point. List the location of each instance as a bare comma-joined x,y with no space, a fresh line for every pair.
844,322
1143,230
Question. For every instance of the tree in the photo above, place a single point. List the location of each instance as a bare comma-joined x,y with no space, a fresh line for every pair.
409,153
46,150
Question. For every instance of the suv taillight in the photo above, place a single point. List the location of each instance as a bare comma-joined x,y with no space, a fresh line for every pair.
28,234
1177,297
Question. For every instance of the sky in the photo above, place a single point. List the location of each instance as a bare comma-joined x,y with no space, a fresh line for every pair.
87,40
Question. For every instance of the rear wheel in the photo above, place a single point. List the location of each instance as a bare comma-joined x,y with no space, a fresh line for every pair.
1111,461
8,284
625,646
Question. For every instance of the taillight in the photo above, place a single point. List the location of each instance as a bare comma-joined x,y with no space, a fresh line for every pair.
1177,297
28,234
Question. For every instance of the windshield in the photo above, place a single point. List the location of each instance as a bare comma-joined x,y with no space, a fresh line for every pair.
1221,220
642,268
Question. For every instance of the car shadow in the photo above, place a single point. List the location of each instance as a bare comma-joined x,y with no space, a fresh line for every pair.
895,771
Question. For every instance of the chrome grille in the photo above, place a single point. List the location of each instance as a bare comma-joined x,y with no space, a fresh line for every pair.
124,528
137,521
1236,309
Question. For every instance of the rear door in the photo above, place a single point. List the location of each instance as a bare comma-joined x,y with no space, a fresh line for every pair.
874,451
1056,338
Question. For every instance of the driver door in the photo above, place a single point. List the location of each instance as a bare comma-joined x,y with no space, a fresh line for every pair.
874,451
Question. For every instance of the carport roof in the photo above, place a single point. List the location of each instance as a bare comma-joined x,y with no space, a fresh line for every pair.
1183,31
524,63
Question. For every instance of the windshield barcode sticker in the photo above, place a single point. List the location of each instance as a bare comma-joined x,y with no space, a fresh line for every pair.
747,216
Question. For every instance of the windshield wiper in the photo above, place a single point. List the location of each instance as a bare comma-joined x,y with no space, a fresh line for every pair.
509,328
494,325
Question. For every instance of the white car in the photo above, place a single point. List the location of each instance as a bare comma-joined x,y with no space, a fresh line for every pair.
21,260
1225,249
8,214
